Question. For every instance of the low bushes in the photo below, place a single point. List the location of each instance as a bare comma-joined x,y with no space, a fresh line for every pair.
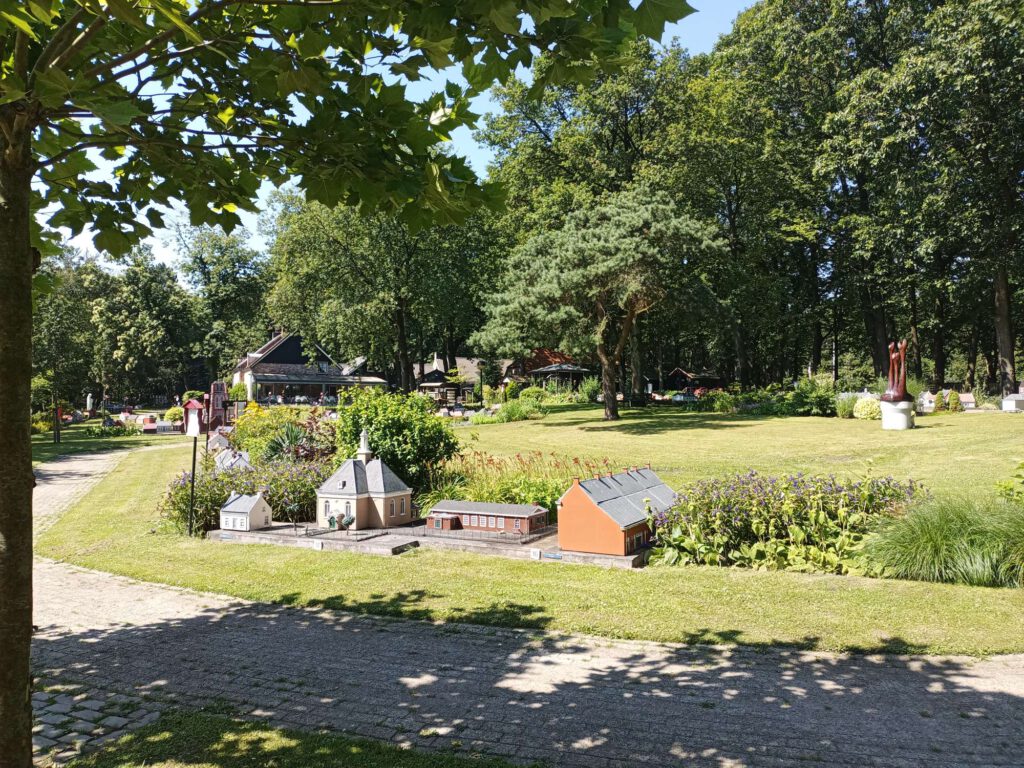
533,393
954,404
42,422
589,389
238,392
845,405
258,426
514,410
954,540
867,409
174,413
521,479
776,523
125,430
289,488
192,394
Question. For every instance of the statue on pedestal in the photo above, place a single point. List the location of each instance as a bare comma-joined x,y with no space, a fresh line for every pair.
897,391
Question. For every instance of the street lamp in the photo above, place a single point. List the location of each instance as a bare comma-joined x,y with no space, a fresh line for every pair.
193,427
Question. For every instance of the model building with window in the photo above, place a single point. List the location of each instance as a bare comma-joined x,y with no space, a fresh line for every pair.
363,493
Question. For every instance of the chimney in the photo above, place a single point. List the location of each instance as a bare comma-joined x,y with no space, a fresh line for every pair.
575,481
364,454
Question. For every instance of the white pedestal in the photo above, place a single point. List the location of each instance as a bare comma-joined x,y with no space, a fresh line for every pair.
897,415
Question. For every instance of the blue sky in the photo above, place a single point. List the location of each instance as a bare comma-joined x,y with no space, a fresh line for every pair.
697,32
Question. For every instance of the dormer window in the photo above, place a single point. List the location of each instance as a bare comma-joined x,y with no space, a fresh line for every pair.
322,366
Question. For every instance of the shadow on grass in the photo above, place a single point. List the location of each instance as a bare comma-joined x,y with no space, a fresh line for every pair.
534,695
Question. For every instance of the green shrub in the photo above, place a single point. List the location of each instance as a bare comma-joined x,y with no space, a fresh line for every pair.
845,405
867,409
940,401
192,394
775,523
238,392
717,401
954,404
954,540
516,410
490,397
813,397
288,487
512,390
533,393
126,430
258,426
42,422
590,388
174,413
404,430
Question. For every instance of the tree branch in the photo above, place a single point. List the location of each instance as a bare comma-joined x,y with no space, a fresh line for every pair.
80,42
58,39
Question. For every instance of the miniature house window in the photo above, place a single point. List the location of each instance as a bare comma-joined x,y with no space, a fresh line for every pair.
348,508
501,522
327,509
465,519
266,519
392,510
402,513
518,524
322,365
474,523
437,522
491,522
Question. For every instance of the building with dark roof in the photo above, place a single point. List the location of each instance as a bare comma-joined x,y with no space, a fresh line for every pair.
512,519
364,493
282,369
608,515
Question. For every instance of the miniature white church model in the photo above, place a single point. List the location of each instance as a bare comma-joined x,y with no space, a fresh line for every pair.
363,493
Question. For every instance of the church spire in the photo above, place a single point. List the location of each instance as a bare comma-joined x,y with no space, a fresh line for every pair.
364,454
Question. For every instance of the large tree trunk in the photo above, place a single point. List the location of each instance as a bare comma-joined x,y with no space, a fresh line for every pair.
635,364
916,365
742,370
1004,333
16,480
405,371
972,358
939,343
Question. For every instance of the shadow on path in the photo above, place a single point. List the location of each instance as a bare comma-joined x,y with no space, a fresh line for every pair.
565,700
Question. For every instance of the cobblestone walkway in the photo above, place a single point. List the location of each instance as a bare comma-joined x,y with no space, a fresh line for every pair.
134,649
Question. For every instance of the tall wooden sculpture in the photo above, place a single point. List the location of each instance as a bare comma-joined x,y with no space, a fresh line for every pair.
897,391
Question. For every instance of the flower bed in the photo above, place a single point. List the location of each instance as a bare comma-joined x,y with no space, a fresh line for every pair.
777,523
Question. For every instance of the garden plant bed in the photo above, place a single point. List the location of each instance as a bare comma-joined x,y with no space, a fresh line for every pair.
112,529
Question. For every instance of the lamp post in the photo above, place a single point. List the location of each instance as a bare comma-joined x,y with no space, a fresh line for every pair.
193,426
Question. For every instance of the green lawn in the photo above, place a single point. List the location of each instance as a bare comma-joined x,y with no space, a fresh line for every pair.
198,740
114,528
74,440
948,452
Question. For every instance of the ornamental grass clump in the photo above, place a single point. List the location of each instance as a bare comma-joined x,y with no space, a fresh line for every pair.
954,540
796,522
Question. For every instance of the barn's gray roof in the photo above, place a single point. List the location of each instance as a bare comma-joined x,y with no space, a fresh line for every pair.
354,478
625,497
240,503
232,460
487,508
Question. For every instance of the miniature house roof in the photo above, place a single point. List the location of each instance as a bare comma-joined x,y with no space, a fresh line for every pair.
449,506
240,503
625,497
232,459
363,475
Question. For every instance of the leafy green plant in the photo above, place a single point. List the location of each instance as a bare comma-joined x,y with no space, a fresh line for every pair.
175,413
717,401
867,409
238,392
512,390
404,432
776,523
533,393
258,426
125,430
957,540
845,405
954,404
192,394
589,389
940,401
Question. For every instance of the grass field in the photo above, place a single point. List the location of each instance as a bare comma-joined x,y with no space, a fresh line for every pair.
198,740
948,452
74,440
114,528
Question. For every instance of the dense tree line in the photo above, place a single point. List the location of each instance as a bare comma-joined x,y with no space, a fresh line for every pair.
861,163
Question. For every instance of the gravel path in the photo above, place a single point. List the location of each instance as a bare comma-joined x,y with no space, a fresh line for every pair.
112,653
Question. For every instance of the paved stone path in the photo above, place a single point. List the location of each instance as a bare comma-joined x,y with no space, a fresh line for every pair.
135,649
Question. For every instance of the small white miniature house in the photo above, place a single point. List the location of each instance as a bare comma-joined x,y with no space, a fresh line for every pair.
245,513
228,459
217,442
363,493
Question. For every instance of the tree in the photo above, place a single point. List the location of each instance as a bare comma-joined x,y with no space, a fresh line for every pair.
197,102
231,282
585,285
370,286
